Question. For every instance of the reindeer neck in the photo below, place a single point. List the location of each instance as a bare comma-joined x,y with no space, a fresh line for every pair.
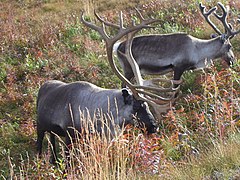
209,49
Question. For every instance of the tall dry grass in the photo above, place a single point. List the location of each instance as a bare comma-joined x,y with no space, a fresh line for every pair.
109,152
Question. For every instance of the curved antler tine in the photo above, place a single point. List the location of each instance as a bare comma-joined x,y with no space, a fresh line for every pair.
101,30
224,10
154,86
206,15
153,96
154,99
128,55
121,20
97,16
223,18
202,8
140,16
142,19
131,60
107,23
158,89
156,81
177,82
173,82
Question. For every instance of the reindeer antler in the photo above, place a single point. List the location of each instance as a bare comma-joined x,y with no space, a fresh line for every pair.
147,93
223,18
206,16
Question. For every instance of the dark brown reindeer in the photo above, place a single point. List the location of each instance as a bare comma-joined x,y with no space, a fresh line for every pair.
61,106
178,52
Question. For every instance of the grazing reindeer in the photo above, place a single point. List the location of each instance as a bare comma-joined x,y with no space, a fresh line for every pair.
61,106
160,54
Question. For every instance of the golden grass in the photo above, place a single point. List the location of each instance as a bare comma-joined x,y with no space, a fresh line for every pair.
221,161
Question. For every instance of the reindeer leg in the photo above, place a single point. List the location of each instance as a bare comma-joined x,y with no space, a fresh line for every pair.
177,76
40,136
53,155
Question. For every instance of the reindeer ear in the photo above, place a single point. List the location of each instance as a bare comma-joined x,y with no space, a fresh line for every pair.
126,96
213,36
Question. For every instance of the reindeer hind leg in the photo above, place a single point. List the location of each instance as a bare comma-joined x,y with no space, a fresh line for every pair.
53,147
40,136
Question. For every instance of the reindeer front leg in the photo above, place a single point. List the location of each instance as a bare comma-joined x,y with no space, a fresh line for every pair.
177,73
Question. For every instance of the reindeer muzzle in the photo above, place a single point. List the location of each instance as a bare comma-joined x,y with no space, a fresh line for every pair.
228,63
229,59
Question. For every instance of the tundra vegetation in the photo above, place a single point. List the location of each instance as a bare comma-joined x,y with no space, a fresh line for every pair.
42,40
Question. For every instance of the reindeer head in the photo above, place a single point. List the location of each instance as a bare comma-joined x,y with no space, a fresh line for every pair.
224,38
143,115
227,51
140,111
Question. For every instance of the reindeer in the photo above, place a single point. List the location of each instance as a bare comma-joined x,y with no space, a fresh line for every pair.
61,106
178,52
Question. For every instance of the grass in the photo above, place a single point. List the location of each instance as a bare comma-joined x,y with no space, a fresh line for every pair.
42,40
220,161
